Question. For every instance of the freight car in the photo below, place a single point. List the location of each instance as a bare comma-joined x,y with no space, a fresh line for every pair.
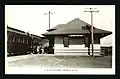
20,42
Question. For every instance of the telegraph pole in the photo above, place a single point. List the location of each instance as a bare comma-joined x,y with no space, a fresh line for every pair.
92,37
49,13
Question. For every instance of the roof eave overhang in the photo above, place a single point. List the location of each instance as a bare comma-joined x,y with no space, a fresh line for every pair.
104,34
65,34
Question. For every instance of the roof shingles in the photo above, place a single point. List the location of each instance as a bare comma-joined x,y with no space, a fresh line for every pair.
74,27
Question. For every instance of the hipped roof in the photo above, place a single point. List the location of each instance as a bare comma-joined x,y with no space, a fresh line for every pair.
74,27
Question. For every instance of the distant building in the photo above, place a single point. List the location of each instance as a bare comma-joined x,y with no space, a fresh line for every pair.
74,38
107,41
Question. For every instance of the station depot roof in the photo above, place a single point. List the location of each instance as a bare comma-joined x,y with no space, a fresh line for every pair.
74,27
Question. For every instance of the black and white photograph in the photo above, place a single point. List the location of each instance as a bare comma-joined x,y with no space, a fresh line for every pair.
60,39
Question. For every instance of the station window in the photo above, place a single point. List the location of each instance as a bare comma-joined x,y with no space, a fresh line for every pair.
66,41
27,41
23,40
86,41
11,39
96,41
16,39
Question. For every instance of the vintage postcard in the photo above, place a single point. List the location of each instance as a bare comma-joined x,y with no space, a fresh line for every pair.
60,39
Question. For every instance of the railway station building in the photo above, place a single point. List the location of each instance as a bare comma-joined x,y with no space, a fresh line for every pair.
74,38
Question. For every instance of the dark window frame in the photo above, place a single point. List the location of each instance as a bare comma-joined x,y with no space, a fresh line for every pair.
21,40
86,44
25,40
96,39
89,40
65,41
12,39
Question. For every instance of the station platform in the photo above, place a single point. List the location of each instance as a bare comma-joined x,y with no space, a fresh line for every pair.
19,57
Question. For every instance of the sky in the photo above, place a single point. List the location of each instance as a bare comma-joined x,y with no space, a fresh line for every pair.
31,18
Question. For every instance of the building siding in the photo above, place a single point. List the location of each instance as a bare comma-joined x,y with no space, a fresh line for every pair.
76,41
76,47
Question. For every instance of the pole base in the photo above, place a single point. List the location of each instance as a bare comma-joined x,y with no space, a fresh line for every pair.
88,53
92,56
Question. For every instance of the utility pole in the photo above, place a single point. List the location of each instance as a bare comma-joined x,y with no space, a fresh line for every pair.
92,37
49,16
32,43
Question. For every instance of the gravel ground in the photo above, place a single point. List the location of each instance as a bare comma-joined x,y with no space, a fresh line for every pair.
63,62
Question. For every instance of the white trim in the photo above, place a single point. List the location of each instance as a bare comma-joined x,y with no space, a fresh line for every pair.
75,54
76,51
